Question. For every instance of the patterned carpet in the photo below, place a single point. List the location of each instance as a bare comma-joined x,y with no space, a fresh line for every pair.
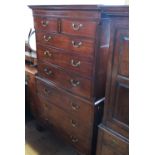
44,143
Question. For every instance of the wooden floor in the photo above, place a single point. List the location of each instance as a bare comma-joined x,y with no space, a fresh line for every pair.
44,143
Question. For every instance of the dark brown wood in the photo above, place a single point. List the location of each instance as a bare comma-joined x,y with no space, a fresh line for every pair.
45,24
65,36
78,27
70,124
30,73
111,144
76,45
73,140
113,138
102,57
74,106
116,11
93,15
66,80
117,93
67,60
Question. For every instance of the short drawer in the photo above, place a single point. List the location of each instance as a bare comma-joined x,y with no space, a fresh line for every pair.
76,132
73,106
79,27
109,142
71,82
45,24
73,44
66,60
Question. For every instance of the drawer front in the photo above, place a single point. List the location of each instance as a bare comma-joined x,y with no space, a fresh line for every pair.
45,24
111,143
79,27
68,61
77,132
71,82
70,104
76,45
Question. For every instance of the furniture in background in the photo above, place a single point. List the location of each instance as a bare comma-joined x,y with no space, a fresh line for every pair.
30,72
113,138
72,53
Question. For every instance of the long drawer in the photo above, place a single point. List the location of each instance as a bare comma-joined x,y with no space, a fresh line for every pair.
77,133
67,60
73,106
74,44
71,82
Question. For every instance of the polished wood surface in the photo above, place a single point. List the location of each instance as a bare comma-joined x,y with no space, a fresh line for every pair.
73,105
66,80
117,93
79,27
74,44
72,67
111,144
70,125
67,60
93,15
45,24
113,137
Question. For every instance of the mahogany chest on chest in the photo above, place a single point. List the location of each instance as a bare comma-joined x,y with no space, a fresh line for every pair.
72,52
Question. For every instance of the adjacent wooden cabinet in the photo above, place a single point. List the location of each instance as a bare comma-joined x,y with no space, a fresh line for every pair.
113,135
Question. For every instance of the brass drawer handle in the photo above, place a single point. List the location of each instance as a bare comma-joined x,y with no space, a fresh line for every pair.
46,91
74,83
75,64
47,53
74,106
114,142
73,123
74,139
44,23
47,71
47,38
76,44
76,27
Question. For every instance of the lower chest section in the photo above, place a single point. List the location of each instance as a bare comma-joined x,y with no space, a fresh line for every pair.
72,117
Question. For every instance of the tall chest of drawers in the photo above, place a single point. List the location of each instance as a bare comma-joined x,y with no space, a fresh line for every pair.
70,85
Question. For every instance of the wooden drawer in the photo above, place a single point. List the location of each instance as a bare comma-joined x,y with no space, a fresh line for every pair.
78,27
76,45
68,61
70,104
77,132
71,82
111,144
45,24
80,146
